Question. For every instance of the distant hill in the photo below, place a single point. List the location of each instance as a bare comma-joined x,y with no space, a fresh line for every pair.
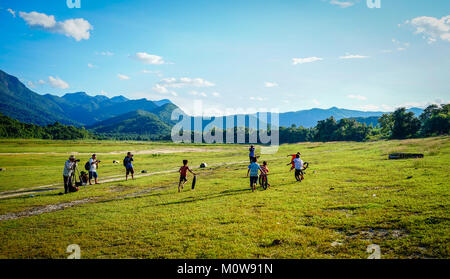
19,102
309,118
137,123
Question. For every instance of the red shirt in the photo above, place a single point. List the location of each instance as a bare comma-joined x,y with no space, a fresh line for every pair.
265,169
292,160
183,170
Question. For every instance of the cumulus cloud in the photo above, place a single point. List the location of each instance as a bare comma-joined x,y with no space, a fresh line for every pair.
11,11
163,90
149,58
185,82
296,61
357,97
56,82
123,77
78,28
41,81
342,4
270,84
432,28
353,56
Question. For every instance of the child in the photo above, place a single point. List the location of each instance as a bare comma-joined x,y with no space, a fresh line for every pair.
298,168
253,169
265,169
293,157
183,175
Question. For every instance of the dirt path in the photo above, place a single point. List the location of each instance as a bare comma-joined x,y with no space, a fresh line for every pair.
139,152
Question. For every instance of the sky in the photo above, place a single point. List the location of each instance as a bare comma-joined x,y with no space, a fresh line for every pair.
283,55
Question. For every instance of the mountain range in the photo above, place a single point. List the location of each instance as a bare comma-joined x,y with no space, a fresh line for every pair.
119,114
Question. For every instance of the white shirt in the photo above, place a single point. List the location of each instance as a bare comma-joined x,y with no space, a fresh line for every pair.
68,168
298,163
93,166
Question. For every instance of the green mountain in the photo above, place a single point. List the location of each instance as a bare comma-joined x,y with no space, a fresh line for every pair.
134,123
19,102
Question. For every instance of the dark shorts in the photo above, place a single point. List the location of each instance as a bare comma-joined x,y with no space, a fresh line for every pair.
130,170
298,172
253,180
183,178
93,174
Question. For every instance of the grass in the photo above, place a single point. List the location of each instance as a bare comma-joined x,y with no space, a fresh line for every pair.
352,197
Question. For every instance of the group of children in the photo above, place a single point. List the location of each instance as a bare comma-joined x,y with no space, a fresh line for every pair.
255,170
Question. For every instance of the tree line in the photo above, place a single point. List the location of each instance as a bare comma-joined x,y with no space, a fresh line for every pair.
11,128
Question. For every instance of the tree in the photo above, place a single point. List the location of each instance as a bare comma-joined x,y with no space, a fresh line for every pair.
435,120
405,124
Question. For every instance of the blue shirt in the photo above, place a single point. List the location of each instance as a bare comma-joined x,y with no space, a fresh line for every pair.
254,167
252,152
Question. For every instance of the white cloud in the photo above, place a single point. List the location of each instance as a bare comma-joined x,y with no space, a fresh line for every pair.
41,81
123,77
11,11
432,28
105,53
353,56
357,97
91,65
185,82
342,4
56,82
296,61
38,19
78,28
149,58
216,94
270,84
315,102
163,90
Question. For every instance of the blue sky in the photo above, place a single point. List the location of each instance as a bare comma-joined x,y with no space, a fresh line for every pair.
281,54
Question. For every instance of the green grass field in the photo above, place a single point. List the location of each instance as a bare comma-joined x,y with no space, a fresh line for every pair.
352,197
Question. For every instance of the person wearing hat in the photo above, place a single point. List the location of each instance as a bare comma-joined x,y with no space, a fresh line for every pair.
127,163
69,168
93,162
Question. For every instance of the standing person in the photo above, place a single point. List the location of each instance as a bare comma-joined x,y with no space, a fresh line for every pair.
183,175
93,162
69,168
127,163
263,177
293,157
253,169
298,168
251,153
